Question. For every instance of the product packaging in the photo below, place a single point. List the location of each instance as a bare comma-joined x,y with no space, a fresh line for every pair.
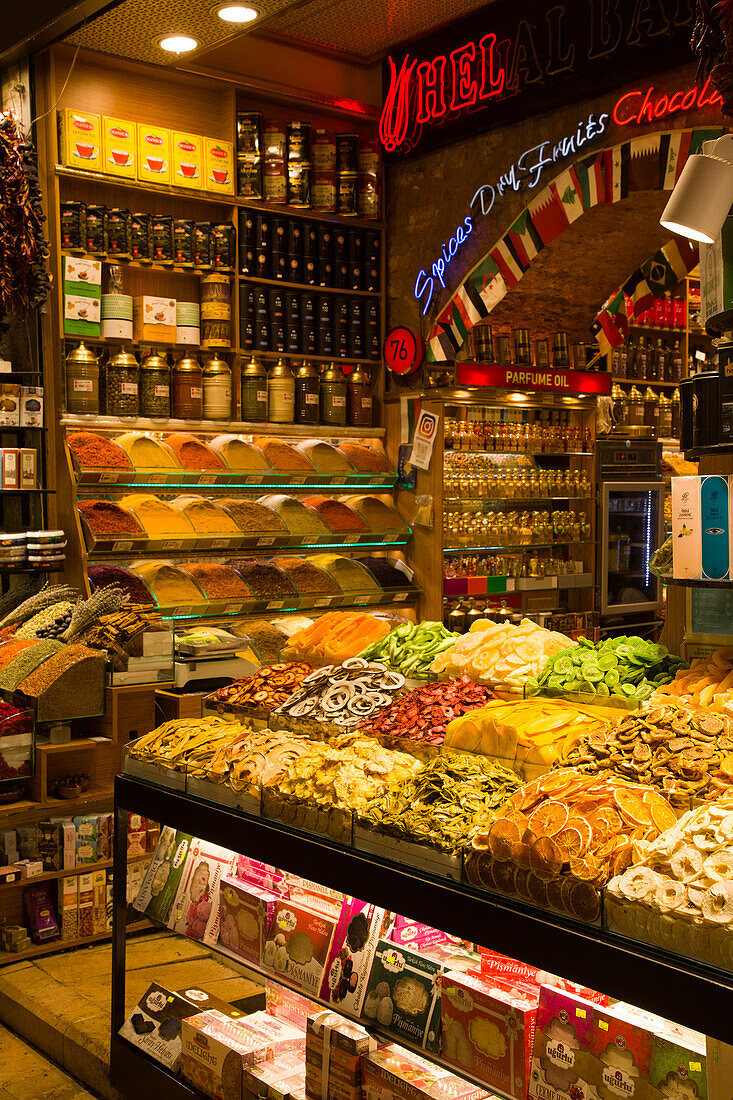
719,1060
50,845
188,159
83,276
403,995
215,1050
154,1025
203,1001
678,1070
420,937
288,1005
99,913
119,147
393,1073
27,464
81,315
153,154
9,404
508,970
219,160
69,907
195,911
621,1043
80,139
86,904
10,873
297,945
563,1067
333,1052
487,1029
701,527
40,913
154,319
350,959
162,879
10,457
245,915
281,1079
86,839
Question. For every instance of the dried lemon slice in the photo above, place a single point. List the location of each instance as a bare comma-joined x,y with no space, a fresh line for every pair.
502,835
719,865
662,817
545,858
686,863
717,904
632,807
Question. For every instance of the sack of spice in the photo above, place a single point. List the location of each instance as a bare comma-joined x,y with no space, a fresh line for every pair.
146,452
104,517
339,517
325,458
93,451
238,454
349,575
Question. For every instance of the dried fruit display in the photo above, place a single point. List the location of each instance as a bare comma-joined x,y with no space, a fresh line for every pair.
529,735
186,744
624,668
678,750
708,682
335,637
679,891
563,836
500,654
264,690
422,715
255,758
441,803
341,695
411,649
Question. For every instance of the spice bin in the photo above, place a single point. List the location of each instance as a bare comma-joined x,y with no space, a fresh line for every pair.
187,389
281,394
155,379
217,387
254,392
122,375
82,381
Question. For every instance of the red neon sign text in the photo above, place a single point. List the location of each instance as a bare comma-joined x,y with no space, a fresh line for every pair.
640,107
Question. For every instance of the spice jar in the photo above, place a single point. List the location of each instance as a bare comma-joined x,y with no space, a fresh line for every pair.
155,386
635,407
333,396
665,417
651,410
82,381
217,380
122,377
307,393
254,392
281,393
359,399
620,408
187,389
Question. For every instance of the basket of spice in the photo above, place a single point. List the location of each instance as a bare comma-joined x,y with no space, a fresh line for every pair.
380,516
316,587
286,459
267,582
161,521
326,459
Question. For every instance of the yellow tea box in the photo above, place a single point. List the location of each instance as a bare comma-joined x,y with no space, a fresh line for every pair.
154,318
80,139
153,154
219,166
188,160
119,146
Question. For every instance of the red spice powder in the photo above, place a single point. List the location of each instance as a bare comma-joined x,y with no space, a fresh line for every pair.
96,451
337,516
193,453
106,518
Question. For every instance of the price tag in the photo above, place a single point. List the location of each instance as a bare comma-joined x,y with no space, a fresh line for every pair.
360,601
298,481
207,479
220,543
275,605
231,608
338,480
324,601
253,479
120,546
173,544
310,542
108,479
351,539
181,611
266,542
400,597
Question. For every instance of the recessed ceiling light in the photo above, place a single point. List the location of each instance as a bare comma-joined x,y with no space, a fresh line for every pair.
237,13
178,43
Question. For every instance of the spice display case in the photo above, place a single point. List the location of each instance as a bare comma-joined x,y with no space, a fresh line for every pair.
17,748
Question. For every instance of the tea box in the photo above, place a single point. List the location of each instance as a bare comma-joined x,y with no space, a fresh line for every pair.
31,406
153,154
9,404
352,952
188,159
403,995
80,139
69,907
83,276
154,319
297,944
246,912
39,911
81,315
219,161
119,147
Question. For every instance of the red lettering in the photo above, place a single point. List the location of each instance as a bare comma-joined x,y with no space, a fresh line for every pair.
616,111
625,110
660,107
431,89
646,106
688,102
465,88
493,75
675,106
711,100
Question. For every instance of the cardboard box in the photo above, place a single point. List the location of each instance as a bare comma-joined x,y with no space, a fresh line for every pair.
10,467
508,970
297,945
80,139
28,459
410,933
50,845
287,1005
154,319
195,911
119,147
351,955
69,907
245,915
701,527
403,995
99,917
393,1073
30,867
215,1050
281,1079
621,1045
719,1064
31,406
83,275
81,315
219,161
188,159
86,839
333,1052
487,1029
678,1071
153,154
563,1067
40,914
201,1000
154,1025
10,873
263,875
9,404
86,904
158,890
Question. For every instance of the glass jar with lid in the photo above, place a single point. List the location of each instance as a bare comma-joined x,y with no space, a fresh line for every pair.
155,386
254,392
359,399
307,393
82,381
281,393
651,409
217,387
635,408
333,396
122,377
187,389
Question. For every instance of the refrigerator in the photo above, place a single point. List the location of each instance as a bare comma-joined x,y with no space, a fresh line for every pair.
630,528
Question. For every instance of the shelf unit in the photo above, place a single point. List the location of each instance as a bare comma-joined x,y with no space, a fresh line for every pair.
631,971
7,958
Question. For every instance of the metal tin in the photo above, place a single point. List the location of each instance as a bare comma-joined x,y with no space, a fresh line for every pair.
281,394
183,242
142,237
325,341
369,197
333,396
162,239
706,409
347,153
355,329
277,328
323,151
298,135
249,177
122,376
216,333
483,343
278,250
155,386
246,243
686,413
223,246
325,308
217,386
254,392
308,308
307,394
276,305
299,185
347,201
292,338
246,317
560,352
323,191
73,225
308,340
82,381
262,339
294,268
501,349
187,389
541,352
261,304
522,353
96,232
202,245
119,234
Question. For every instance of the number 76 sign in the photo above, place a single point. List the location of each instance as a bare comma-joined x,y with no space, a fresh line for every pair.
403,351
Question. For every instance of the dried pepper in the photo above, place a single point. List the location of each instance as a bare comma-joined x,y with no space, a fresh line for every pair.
24,281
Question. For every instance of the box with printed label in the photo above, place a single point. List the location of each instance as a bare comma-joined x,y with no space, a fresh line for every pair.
410,933
621,1044
719,1063
333,1051
157,890
403,995
219,158
81,315
69,907
393,1073
50,845
119,147
352,952
9,404
297,944
80,139
27,462
86,904
701,527
203,1001
195,911
10,457
154,1025
83,276
288,1005
40,914
246,912
153,153
563,1067
215,1050
99,917
31,406
487,1029
281,1079
678,1071
86,838
188,159
154,318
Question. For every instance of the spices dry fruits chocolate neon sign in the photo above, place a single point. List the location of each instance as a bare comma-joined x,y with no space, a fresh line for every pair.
649,106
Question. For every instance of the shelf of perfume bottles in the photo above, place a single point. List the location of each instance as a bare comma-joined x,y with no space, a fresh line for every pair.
515,530
519,566
509,431
487,482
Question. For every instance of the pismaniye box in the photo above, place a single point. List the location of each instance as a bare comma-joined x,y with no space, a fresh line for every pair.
80,139
701,527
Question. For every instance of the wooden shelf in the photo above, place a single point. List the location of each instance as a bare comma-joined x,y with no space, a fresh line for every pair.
28,810
677,330
147,265
642,382
243,427
81,869
311,288
8,957
338,359
144,345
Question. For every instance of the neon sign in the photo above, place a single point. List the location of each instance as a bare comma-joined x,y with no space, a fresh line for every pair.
425,283
640,107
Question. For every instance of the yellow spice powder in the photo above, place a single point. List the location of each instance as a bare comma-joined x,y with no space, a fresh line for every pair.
158,517
205,516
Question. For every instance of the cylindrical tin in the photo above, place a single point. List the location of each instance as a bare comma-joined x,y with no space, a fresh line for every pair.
187,389
298,136
347,202
216,333
82,381
291,305
368,157
346,153
254,392
560,353
278,251
501,349
262,336
155,386
355,328
277,328
359,398
307,394
368,196
217,385
483,343
325,341
541,352
246,317
274,162
323,191
706,409
323,151
246,242
299,185
333,396
686,413
522,353
281,394
276,305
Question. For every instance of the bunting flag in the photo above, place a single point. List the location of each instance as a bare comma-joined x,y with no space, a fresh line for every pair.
674,151
637,289
699,136
616,172
608,326
473,304
566,188
548,215
493,291
523,240
590,177
643,161
502,256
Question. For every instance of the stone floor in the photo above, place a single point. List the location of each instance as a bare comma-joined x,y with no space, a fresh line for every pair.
25,1074
60,1004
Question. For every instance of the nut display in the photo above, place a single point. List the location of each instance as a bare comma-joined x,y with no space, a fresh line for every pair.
411,649
626,668
501,655
343,694
423,715
264,690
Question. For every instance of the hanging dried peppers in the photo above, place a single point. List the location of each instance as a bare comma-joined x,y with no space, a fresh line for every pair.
24,281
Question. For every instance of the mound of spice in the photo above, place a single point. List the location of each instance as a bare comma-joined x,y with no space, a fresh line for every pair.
339,517
15,673
146,452
252,517
386,572
269,637
367,460
423,714
103,576
264,690
205,516
349,575
238,454
55,615
297,517
219,582
159,518
170,585
282,456
264,578
325,458
69,682
104,517
94,451
307,577
193,453
10,650
379,515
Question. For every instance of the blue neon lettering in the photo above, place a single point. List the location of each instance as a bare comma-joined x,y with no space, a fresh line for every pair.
424,285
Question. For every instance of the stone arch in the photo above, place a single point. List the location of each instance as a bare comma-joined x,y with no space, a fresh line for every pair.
645,163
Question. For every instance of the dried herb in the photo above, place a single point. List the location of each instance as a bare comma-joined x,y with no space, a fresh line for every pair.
21,666
86,612
50,594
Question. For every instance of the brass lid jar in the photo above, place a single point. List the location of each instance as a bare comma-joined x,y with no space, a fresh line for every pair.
82,381
281,393
217,386
187,389
122,376
333,396
307,393
155,385
254,392
359,398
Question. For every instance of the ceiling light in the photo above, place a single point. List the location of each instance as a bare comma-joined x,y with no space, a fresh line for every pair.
703,194
237,13
178,43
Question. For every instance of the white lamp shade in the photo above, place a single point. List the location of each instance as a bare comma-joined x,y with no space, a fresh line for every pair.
701,199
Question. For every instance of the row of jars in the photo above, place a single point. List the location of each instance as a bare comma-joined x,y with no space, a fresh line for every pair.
484,482
501,436
634,408
538,528
511,565
191,390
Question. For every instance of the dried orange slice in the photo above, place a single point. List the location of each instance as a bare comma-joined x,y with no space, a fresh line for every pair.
485,871
570,842
607,848
585,902
504,878
555,895
633,808
586,868
521,877
502,834
663,816
610,817
726,766
537,890
520,853
582,826
620,861
471,869
545,858
556,783
549,818
526,797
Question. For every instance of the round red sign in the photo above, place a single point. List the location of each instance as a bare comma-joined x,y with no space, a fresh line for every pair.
403,350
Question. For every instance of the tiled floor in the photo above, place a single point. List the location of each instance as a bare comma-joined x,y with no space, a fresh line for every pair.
60,1004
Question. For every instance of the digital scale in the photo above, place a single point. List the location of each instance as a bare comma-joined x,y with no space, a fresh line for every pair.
222,660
